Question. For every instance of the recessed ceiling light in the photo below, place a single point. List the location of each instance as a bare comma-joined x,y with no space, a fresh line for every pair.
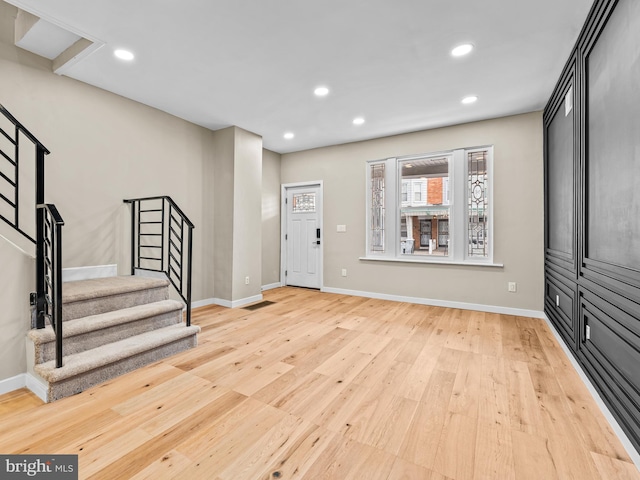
321,91
469,99
461,50
123,54
289,135
358,121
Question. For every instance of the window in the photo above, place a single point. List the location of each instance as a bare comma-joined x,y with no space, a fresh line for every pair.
477,184
433,207
376,223
304,203
426,177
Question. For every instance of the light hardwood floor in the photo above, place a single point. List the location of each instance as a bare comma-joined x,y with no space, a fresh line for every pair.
325,386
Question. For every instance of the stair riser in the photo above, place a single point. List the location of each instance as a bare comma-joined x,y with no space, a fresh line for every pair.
74,385
89,340
84,308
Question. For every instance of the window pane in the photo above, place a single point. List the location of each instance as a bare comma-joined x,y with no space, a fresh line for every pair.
377,208
304,202
424,210
478,204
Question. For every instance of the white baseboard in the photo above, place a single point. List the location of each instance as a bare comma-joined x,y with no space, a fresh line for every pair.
626,443
24,380
271,286
237,303
520,312
226,303
38,387
204,303
87,273
14,383
223,303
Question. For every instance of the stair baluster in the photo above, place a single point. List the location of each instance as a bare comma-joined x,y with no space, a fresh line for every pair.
51,263
161,236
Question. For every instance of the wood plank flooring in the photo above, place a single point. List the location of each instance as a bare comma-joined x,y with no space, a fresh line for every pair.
324,386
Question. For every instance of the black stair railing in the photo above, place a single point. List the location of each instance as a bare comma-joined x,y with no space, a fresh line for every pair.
48,241
162,241
52,265
10,172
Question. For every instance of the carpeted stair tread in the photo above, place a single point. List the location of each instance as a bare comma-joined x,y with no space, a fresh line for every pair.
92,323
77,364
101,295
111,326
108,286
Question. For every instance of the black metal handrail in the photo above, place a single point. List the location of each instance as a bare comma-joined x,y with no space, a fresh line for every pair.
48,296
51,302
10,177
161,237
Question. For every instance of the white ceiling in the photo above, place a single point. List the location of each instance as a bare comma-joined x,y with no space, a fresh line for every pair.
255,63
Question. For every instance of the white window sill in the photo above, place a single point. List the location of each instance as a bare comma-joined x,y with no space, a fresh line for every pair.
432,261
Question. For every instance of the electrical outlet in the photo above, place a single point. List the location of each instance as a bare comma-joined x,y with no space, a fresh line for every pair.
341,228
512,287
246,280
344,272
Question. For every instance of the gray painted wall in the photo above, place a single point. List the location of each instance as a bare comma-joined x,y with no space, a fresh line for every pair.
247,215
270,217
518,214
224,148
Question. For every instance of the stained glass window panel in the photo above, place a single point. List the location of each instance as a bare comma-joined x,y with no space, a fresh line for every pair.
478,204
304,203
377,208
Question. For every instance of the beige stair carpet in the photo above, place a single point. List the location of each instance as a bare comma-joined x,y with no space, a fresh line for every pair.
100,295
111,326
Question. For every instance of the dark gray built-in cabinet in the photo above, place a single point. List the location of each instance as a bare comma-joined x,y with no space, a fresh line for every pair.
592,206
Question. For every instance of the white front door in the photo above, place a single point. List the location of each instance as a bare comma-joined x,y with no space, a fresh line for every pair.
303,236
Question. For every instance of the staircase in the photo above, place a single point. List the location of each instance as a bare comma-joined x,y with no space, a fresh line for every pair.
111,326
90,331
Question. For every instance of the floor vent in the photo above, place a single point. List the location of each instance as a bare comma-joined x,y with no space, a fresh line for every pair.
258,305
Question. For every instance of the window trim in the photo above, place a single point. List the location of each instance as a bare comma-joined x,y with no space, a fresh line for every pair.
458,214
426,260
